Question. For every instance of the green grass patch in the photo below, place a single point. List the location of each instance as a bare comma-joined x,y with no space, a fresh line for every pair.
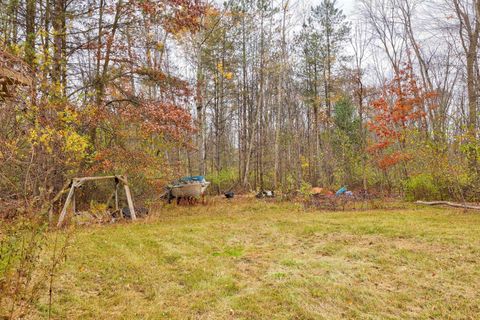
257,260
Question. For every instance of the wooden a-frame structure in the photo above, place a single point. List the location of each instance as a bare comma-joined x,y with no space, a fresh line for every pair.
78,182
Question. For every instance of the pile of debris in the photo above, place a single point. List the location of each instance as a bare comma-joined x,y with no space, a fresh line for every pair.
265,194
14,72
322,198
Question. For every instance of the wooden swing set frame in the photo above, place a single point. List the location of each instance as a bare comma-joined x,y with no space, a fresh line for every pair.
78,182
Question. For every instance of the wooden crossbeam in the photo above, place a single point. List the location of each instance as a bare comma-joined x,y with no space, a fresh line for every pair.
94,178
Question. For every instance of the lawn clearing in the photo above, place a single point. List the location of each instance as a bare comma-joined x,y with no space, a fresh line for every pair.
257,260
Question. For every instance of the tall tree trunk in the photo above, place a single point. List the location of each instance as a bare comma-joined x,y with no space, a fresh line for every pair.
260,145
58,50
244,145
281,100
30,30
46,40
200,112
469,33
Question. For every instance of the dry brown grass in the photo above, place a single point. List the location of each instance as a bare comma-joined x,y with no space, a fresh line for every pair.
249,259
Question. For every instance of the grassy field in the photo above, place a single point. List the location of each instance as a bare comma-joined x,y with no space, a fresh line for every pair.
257,260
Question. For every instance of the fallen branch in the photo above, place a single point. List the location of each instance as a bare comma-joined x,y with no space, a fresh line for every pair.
451,204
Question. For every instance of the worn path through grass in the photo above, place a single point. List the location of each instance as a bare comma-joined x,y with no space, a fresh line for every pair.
256,260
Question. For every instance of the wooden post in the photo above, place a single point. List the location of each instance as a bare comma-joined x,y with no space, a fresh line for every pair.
74,202
65,206
117,182
130,201
116,194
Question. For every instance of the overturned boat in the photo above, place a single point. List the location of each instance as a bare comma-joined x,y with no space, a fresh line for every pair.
188,187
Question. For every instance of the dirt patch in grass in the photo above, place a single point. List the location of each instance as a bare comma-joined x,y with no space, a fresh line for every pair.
256,260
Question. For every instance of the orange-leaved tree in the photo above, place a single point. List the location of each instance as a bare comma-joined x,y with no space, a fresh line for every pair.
401,107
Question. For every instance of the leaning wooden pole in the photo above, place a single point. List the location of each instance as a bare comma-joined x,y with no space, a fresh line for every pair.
129,199
116,195
67,203
74,203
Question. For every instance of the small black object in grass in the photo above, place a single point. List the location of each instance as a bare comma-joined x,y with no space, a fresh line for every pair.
229,195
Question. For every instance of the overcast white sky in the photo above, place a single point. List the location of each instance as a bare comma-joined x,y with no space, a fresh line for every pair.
348,6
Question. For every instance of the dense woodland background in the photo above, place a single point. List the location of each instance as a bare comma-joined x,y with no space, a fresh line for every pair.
259,94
